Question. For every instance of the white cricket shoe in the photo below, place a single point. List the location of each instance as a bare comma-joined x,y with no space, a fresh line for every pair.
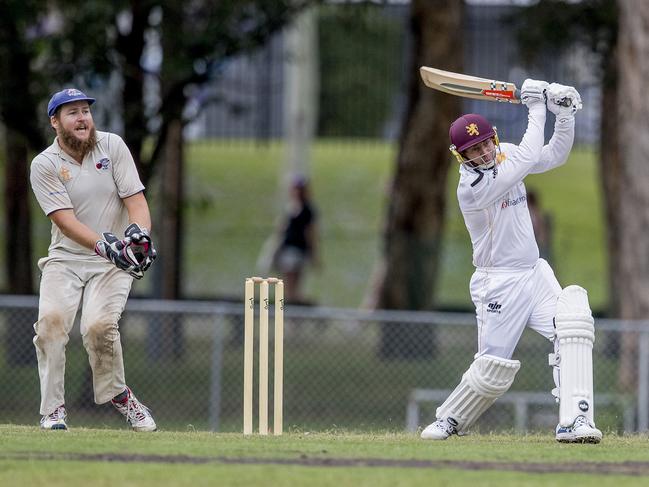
55,420
581,431
136,413
440,429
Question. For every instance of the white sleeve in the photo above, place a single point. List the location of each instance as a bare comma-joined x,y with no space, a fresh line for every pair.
124,171
516,166
50,192
556,152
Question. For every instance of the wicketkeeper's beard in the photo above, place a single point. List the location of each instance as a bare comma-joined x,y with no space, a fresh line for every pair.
76,145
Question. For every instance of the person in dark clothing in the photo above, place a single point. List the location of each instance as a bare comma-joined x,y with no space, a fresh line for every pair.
298,241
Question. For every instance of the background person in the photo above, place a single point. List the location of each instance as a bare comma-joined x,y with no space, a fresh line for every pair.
298,241
86,182
512,287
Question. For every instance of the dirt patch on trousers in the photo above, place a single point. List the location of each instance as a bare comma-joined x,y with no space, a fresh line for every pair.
609,468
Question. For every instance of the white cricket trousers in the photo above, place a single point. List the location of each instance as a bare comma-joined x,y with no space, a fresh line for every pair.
102,290
507,300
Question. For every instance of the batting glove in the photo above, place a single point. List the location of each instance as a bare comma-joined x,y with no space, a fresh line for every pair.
119,253
533,92
141,245
563,101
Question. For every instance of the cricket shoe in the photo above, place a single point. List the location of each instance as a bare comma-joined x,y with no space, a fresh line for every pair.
136,413
55,420
440,429
581,431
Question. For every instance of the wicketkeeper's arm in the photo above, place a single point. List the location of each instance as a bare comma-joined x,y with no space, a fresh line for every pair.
138,210
138,231
73,229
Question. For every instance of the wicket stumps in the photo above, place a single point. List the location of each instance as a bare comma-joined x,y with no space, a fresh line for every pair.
278,373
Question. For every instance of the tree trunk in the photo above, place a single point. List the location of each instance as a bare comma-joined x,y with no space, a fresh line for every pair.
166,338
632,276
131,49
20,350
415,218
18,224
610,171
300,99
610,166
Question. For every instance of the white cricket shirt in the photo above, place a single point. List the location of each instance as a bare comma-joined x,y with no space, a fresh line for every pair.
93,189
494,201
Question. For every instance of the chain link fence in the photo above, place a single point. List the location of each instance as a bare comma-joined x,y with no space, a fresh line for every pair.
348,369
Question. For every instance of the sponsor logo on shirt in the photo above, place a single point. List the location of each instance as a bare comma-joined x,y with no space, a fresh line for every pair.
494,307
103,164
507,203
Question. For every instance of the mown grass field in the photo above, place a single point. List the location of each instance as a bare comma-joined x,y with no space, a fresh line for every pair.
83,457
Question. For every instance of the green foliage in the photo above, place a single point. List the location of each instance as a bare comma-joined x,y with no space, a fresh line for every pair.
563,23
357,77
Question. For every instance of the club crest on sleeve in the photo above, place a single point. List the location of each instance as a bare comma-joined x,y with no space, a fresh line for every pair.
103,164
64,172
472,129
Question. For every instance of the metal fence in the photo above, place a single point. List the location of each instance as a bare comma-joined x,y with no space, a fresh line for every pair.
351,369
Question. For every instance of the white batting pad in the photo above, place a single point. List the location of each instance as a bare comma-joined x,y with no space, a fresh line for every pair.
576,335
487,379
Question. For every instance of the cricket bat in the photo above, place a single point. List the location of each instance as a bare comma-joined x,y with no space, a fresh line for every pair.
469,86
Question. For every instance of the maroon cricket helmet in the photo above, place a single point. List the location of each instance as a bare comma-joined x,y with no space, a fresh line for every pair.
470,129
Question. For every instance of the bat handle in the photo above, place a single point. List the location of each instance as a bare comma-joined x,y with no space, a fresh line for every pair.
565,102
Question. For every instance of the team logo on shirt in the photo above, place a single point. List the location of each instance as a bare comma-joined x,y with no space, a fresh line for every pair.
65,174
103,164
494,307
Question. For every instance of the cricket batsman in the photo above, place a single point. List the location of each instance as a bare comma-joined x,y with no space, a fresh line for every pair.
512,287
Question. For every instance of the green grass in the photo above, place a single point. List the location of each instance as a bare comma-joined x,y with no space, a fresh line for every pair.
234,198
231,459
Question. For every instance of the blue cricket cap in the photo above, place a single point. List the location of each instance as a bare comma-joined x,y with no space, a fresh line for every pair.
66,96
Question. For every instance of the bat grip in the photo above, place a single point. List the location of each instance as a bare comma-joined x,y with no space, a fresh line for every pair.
565,102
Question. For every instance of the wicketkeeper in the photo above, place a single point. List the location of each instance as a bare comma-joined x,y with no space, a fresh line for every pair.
86,182
512,287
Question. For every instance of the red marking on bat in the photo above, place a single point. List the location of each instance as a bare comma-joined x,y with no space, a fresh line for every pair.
499,93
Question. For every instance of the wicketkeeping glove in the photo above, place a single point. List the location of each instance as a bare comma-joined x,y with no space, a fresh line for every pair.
119,253
563,101
533,92
141,245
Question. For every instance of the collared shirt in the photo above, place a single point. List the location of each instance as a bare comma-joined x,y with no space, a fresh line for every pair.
94,189
494,201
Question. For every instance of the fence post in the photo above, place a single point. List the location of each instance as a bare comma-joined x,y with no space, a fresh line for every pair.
216,367
643,381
